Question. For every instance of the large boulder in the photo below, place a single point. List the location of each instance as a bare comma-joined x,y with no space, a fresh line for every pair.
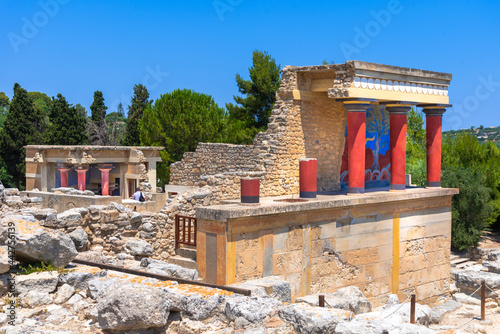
35,243
377,326
80,238
69,218
349,298
133,307
271,286
252,309
309,319
41,282
169,269
139,247
4,261
99,288
469,280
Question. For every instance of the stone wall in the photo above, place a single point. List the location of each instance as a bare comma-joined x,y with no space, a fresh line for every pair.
383,244
296,129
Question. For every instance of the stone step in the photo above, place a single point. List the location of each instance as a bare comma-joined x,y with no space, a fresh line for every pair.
188,253
466,264
183,262
457,261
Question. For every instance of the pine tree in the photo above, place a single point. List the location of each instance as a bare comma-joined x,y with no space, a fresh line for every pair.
254,109
20,129
67,125
140,101
97,127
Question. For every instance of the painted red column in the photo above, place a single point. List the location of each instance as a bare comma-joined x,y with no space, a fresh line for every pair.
81,177
105,179
64,175
434,121
356,143
250,190
398,115
308,175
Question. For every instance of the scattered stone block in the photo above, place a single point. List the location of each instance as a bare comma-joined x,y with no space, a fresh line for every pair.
64,293
139,247
349,298
253,309
271,286
40,282
439,311
80,238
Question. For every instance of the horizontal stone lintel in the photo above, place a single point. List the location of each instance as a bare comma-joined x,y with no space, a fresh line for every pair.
268,206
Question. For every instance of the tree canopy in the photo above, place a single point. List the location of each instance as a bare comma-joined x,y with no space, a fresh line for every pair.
178,121
97,127
140,101
67,125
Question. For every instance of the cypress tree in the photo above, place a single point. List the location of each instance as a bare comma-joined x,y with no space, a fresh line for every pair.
98,128
140,101
67,125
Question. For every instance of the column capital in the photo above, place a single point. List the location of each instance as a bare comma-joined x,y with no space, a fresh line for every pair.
434,109
398,107
357,105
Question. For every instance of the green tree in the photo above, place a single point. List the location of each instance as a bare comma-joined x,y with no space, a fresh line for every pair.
116,123
67,125
81,110
416,148
20,128
178,121
252,111
140,101
97,127
4,100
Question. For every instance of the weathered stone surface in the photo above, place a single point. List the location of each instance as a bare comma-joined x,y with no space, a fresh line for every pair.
400,314
439,311
360,325
4,260
34,298
313,320
349,298
79,277
69,218
168,269
493,266
198,307
139,247
253,309
37,244
64,293
92,255
272,286
80,238
133,307
99,288
40,282
469,280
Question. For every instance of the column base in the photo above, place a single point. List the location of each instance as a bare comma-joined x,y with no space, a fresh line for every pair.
398,187
434,184
354,191
308,194
250,199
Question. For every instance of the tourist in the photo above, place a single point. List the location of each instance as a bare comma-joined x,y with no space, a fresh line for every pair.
138,196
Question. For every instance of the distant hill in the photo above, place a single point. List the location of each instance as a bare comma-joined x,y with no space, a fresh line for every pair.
482,134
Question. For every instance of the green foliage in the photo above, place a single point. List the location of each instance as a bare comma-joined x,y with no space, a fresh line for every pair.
39,267
253,110
67,125
178,121
2,116
326,62
140,101
4,100
416,148
471,208
116,124
98,128
22,127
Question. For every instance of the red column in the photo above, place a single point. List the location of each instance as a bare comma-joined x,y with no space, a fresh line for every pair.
105,180
64,176
81,177
308,176
250,190
434,121
356,137
398,145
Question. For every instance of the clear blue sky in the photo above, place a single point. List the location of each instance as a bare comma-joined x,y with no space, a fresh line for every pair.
78,47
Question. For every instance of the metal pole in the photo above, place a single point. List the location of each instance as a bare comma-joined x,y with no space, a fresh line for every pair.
321,300
483,300
412,309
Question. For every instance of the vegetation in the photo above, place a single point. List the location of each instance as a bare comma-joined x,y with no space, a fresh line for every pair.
251,113
116,122
67,126
178,121
97,126
140,102
23,126
467,164
39,267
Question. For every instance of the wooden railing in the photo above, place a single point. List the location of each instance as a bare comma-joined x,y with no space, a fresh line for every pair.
185,231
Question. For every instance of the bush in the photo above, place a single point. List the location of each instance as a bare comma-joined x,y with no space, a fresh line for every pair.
471,208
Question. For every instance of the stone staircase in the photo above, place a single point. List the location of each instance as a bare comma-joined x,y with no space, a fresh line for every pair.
461,262
185,257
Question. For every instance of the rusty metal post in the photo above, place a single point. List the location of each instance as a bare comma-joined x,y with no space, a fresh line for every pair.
483,300
412,309
321,300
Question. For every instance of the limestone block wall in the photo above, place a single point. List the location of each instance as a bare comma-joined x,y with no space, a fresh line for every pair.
296,129
383,248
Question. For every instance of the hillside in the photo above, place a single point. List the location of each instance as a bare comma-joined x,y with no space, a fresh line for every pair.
482,134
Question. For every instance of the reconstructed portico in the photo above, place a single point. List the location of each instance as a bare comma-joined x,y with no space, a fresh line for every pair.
107,170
